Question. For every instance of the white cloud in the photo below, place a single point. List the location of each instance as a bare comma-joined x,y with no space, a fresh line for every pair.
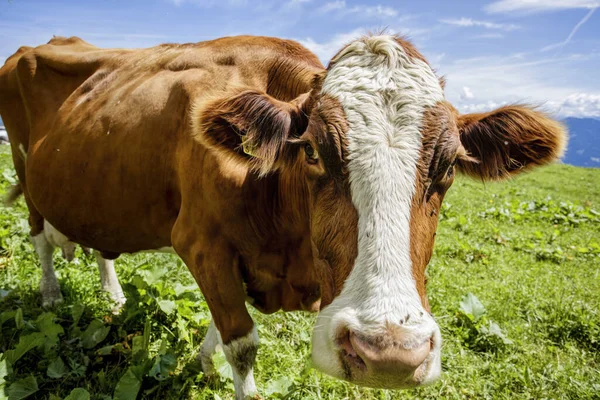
531,6
480,107
466,93
578,105
575,105
520,78
341,8
469,22
326,50
335,5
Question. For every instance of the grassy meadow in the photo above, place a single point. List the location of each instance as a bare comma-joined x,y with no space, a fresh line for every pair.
514,284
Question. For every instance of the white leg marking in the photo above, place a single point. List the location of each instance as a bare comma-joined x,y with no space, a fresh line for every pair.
109,279
209,347
49,287
240,354
57,239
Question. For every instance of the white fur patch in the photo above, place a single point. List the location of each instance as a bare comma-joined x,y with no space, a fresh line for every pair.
109,280
49,286
384,94
243,375
57,239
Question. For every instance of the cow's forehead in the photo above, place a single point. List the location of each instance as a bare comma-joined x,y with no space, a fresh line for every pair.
385,88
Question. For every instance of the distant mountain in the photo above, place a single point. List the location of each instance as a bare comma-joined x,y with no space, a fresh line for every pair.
584,142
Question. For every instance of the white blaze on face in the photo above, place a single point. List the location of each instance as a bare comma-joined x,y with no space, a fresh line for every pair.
384,94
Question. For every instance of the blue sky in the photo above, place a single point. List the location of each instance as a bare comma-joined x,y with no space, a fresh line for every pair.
545,52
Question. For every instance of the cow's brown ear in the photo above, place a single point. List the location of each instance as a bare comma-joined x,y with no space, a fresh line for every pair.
507,141
251,125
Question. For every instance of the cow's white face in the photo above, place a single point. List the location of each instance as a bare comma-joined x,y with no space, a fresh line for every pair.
377,332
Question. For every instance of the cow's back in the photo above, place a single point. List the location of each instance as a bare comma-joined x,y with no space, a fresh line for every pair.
107,129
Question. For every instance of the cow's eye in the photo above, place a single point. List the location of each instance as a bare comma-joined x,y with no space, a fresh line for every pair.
311,155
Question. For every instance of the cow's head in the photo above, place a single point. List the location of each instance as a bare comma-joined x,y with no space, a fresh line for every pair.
376,147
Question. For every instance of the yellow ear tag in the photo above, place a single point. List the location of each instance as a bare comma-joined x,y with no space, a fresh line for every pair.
247,148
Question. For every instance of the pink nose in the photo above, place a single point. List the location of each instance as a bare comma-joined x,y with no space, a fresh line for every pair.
384,355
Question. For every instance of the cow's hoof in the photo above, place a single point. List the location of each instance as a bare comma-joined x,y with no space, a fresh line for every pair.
51,300
119,300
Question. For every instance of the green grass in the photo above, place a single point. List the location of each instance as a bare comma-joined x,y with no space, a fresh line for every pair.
528,250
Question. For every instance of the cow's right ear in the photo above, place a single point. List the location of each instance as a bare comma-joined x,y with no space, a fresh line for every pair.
252,125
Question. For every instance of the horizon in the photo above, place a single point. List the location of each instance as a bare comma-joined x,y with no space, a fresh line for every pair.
492,53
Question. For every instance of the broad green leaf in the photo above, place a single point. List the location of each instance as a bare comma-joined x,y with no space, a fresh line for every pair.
95,333
471,305
104,351
76,312
46,325
22,388
19,322
78,394
141,369
279,386
222,366
147,330
57,369
494,330
6,315
127,387
154,275
167,306
3,369
163,366
26,343
180,289
138,350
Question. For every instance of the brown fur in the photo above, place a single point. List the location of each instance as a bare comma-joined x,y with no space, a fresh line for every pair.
435,174
509,140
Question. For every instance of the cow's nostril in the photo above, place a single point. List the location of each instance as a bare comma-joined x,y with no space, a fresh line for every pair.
348,351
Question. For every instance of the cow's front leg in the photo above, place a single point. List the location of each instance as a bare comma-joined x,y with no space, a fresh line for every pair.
216,270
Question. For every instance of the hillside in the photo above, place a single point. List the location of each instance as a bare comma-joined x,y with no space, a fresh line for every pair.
527,249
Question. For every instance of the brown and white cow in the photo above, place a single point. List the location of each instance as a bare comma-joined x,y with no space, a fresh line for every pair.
276,180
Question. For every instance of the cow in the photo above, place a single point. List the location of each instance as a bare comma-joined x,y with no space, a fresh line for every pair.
278,182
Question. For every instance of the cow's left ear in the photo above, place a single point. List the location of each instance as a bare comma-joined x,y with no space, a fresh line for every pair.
250,125
507,141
